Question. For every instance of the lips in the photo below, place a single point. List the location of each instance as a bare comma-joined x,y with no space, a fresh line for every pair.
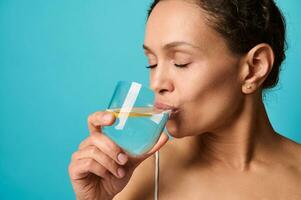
162,106
172,110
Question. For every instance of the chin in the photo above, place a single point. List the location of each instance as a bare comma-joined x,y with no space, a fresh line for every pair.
174,130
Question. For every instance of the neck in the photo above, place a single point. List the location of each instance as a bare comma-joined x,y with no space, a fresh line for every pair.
238,144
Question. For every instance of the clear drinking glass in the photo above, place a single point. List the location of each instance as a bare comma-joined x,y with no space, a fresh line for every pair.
138,124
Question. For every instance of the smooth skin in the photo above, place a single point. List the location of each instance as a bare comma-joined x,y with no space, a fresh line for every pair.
224,145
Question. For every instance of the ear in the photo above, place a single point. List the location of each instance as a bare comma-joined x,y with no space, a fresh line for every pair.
256,67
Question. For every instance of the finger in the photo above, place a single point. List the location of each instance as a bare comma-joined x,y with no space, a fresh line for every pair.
106,145
80,169
97,155
98,119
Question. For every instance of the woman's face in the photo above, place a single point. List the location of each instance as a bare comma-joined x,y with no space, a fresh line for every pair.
207,90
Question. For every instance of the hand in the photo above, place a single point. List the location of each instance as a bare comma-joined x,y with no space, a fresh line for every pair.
100,169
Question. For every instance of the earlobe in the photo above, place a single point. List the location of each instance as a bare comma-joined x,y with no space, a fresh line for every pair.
258,64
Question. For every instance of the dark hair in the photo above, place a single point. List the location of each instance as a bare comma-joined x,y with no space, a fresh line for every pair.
246,23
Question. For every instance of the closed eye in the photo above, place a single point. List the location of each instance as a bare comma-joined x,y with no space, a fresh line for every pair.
177,65
151,66
181,65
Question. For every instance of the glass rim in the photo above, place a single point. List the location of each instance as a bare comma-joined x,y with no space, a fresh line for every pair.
121,82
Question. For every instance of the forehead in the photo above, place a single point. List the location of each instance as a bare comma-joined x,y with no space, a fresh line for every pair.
173,20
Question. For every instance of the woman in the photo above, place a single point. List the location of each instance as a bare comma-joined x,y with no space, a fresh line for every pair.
210,61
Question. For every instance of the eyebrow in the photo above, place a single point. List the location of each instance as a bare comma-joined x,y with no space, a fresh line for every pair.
173,45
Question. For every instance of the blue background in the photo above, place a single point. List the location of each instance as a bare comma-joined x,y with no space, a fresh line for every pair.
59,61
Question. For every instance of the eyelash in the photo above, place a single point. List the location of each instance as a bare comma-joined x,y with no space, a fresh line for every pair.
179,66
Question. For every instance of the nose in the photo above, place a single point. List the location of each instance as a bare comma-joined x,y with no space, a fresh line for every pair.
161,81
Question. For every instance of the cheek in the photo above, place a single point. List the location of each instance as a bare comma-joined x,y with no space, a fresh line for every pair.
210,98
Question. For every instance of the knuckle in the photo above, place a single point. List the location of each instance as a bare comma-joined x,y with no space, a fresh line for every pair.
97,115
84,143
71,171
70,168
113,148
108,162
89,163
74,156
112,164
105,144
80,146
93,150
109,144
94,138
102,171
90,118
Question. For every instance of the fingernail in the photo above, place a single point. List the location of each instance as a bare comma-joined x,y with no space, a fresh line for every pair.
122,158
120,172
107,117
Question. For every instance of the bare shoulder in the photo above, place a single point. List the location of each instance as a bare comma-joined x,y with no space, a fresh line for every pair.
292,153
